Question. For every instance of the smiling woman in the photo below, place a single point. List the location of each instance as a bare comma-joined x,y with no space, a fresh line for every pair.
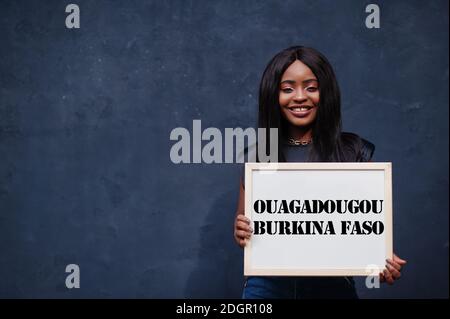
299,95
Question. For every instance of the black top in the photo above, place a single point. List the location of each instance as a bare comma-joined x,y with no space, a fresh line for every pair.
299,153
292,153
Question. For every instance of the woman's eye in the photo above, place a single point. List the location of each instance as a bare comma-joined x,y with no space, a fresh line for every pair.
286,90
311,89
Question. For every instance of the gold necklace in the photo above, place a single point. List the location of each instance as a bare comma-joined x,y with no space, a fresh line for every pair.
295,142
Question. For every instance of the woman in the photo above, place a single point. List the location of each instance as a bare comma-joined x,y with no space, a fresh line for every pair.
300,96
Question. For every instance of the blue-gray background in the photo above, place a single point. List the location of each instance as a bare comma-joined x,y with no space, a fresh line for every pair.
85,118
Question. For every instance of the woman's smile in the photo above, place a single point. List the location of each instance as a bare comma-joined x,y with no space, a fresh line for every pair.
300,111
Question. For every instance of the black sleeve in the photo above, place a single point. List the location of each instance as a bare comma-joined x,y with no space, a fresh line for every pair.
366,151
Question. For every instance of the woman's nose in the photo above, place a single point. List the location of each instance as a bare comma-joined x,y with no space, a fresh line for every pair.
300,96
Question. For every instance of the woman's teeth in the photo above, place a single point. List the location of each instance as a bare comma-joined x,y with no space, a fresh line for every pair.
299,109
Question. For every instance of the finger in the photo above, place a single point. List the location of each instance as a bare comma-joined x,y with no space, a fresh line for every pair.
394,264
394,272
242,218
388,277
399,260
389,280
382,278
243,234
242,243
243,226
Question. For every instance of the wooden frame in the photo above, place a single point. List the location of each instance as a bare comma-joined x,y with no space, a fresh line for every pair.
265,247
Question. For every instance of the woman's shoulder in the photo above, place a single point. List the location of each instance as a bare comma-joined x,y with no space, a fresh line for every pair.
360,147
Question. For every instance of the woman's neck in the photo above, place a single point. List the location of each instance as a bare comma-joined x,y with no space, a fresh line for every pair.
300,133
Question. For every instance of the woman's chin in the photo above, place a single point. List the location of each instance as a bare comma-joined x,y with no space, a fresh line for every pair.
301,122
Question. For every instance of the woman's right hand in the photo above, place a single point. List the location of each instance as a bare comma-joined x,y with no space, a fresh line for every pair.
242,230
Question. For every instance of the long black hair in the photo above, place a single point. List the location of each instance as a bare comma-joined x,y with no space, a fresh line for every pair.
329,144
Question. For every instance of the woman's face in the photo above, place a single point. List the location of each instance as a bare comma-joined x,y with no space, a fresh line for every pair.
299,95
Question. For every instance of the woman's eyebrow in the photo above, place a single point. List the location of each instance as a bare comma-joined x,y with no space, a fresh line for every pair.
309,80
304,81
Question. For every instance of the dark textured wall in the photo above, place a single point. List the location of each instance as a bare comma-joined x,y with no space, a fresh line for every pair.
85,118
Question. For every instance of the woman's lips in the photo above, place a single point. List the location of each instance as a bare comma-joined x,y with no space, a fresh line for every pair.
300,111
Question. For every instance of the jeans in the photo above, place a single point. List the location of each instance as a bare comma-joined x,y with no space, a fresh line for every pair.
299,288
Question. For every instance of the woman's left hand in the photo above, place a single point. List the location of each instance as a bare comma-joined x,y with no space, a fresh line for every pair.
393,270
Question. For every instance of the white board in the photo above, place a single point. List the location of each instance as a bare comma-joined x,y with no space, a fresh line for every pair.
302,251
